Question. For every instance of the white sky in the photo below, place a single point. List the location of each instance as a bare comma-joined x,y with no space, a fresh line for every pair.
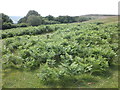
59,7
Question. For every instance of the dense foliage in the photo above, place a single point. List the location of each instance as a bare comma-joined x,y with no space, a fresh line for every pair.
33,17
73,49
7,23
5,18
34,20
31,30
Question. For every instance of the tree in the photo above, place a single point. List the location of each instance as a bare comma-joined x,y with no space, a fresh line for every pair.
50,17
23,20
6,25
65,19
30,13
34,20
6,21
6,18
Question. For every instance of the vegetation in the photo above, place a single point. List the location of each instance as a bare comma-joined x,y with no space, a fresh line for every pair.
6,18
33,17
6,21
30,30
13,78
74,53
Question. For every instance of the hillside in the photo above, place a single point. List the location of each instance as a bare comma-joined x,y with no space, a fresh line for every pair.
47,56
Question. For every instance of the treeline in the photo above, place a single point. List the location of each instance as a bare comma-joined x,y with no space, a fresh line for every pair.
7,22
33,18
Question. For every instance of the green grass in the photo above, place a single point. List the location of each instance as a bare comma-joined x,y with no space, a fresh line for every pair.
105,19
110,81
18,79
13,78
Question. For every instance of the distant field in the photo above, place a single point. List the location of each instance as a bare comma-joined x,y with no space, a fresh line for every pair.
82,54
105,19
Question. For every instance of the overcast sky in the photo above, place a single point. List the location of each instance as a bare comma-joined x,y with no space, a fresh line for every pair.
59,7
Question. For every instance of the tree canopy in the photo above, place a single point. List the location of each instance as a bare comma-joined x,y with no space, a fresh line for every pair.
32,12
34,20
5,18
6,21
50,17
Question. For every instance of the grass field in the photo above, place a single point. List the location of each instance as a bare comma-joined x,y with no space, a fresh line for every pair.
22,79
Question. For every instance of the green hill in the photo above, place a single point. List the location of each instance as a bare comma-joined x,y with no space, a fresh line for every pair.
81,54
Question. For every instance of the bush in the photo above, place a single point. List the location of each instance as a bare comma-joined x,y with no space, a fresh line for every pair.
6,25
22,25
81,19
81,50
98,23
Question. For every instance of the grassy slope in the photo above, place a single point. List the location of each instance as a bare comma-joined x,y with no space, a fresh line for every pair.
18,79
106,19
21,79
